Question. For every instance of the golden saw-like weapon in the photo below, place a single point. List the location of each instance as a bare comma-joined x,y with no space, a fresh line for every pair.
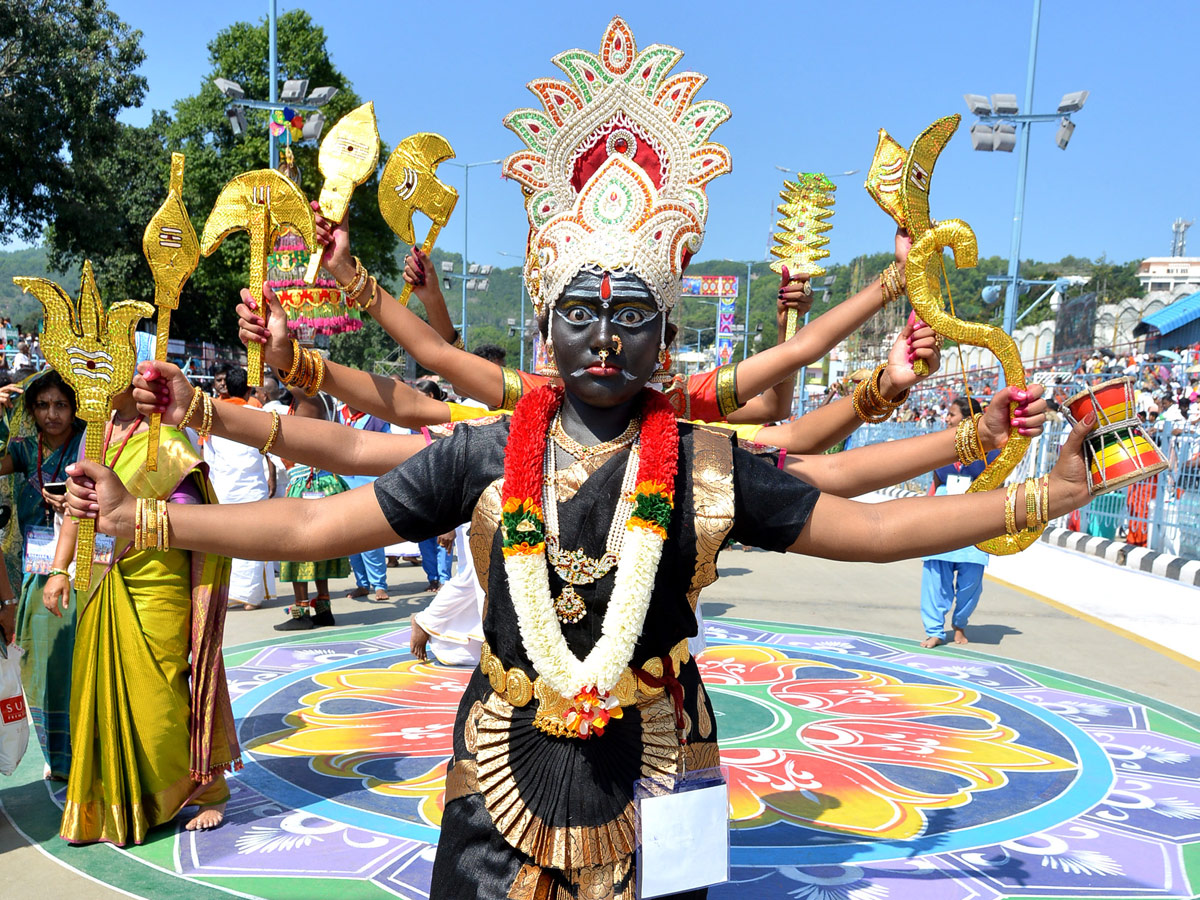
348,157
94,352
807,203
264,203
170,247
925,294
409,183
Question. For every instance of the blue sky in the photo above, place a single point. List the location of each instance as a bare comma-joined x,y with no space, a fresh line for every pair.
809,85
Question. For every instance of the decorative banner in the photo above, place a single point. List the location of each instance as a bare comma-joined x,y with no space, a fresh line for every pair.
173,252
709,286
93,350
726,320
410,183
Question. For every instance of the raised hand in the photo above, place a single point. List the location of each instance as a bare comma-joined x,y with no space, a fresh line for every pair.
334,239
795,292
904,243
916,340
162,388
271,331
95,492
1069,477
995,426
419,272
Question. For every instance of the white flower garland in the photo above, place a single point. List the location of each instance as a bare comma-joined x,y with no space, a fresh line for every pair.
529,586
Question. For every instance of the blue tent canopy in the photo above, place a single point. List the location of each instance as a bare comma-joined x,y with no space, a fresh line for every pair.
1171,318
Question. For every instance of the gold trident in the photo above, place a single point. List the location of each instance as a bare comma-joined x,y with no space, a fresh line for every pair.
94,352
170,247
265,204
409,184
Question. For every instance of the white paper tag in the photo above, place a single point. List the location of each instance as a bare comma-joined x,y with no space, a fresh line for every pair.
957,484
312,495
684,836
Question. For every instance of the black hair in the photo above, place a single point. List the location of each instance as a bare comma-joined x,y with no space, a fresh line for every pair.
967,407
43,383
430,389
492,353
235,382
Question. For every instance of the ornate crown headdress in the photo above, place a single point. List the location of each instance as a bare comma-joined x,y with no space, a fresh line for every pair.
616,167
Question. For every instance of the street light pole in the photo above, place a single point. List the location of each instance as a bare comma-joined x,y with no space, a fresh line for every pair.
467,167
273,96
1014,254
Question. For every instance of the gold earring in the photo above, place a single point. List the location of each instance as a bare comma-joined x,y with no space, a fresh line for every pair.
663,375
550,369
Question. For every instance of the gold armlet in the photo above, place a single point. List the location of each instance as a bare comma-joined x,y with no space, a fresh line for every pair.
274,434
513,388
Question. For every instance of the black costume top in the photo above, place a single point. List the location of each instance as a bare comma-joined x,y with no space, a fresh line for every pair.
563,805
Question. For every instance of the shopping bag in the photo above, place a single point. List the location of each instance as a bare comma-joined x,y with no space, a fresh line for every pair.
14,718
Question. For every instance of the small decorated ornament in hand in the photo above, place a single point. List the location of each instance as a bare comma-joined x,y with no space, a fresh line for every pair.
807,204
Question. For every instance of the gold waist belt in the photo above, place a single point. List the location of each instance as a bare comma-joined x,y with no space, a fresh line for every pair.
516,688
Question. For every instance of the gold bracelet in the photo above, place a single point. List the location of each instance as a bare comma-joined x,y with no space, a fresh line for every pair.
291,373
274,434
160,524
191,410
356,284
206,422
137,524
151,523
320,376
1031,495
1010,513
458,341
374,298
1045,516
877,394
966,441
865,408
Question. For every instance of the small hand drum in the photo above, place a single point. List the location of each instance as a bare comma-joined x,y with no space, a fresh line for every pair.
1118,449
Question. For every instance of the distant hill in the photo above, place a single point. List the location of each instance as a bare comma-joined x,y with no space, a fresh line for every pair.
22,308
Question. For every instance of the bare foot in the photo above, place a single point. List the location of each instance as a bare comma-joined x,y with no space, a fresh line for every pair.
960,636
932,641
358,592
208,817
420,637
381,596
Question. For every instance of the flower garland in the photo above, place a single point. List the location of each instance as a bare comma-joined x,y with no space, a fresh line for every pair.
587,682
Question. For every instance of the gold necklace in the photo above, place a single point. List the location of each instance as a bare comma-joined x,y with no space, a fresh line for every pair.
581,452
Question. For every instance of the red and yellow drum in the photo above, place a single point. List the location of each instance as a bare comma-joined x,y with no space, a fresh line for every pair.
1118,450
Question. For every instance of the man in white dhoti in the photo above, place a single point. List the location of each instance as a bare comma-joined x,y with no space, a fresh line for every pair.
452,625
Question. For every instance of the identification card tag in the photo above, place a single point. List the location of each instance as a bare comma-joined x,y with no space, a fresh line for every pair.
312,495
40,544
683,832
957,484
105,550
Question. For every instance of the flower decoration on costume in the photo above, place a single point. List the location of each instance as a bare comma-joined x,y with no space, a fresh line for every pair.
617,163
587,683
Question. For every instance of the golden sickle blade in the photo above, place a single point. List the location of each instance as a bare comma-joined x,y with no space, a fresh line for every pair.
409,183
265,204
806,205
349,155
94,352
173,252
899,181
924,291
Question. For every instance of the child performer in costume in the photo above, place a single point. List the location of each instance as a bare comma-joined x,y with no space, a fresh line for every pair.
603,513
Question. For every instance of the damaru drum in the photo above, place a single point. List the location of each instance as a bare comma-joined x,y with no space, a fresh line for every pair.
1118,449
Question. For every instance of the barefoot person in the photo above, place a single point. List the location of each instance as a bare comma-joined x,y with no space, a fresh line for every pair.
147,739
597,518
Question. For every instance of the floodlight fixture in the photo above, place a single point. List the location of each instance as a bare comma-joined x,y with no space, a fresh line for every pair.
485,270
447,266
991,294
294,90
447,284
313,126
828,280
230,89
978,104
1005,104
237,120
1004,137
470,284
322,95
982,138
1066,128
1073,102
473,269
481,284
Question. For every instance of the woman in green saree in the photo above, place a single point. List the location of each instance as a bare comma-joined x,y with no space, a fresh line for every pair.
45,439
145,743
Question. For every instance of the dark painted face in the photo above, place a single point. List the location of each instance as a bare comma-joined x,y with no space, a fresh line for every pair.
618,314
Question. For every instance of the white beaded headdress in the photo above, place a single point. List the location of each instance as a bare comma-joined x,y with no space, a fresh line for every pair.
616,167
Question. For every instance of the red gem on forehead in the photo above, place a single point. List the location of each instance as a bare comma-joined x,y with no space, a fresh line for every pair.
605,287
620,145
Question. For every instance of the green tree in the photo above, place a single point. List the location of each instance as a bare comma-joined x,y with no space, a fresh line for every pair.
67,68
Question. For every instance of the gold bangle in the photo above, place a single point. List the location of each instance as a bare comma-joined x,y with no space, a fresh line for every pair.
151,521
1031,495
191,409
1045,517
877,393
166,527
458,340
966,441
291,373
374,298
1010,513
160,525
354,287
864,406
274,434
319,360
137,524
206,422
